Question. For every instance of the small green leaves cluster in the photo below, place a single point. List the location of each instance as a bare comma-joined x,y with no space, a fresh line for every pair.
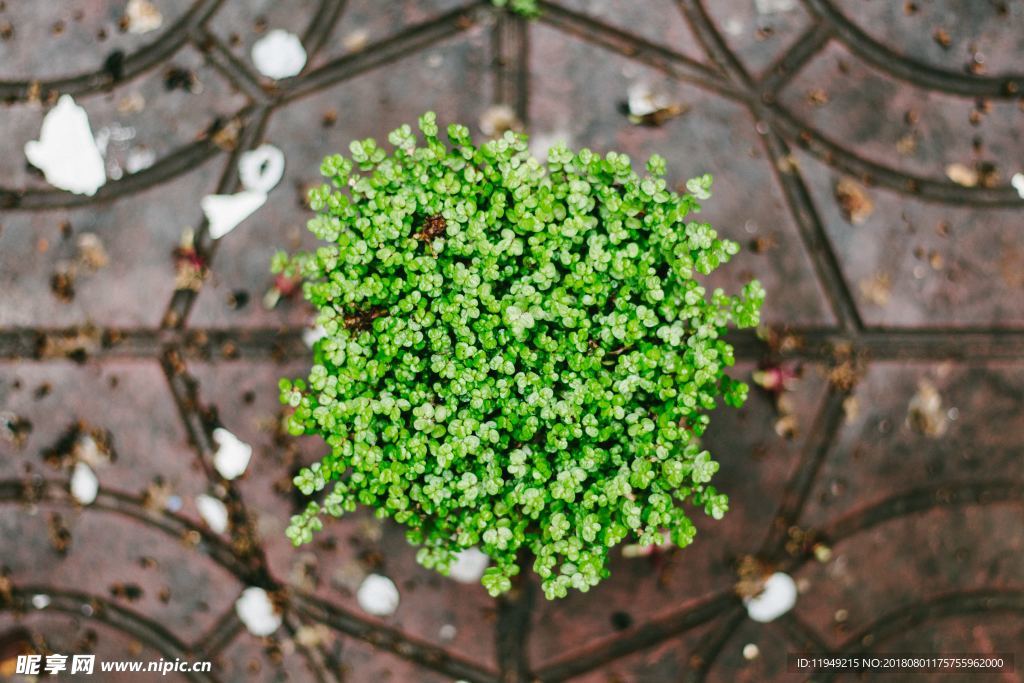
519,356
527,8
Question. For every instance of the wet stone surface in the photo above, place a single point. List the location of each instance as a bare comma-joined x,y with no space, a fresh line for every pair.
863,154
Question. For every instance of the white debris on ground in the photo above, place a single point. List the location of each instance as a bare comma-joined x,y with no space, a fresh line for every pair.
224,212
469,566
261,169
257,612
925,414
311,335
774,6
498,119
279,54
84,484
139,159
751,651
541,143
378,595
40,601
143,16
233,454
1018,183
213,512
777,598
66,151
644,99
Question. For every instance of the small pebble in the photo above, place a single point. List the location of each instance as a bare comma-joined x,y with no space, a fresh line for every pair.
378,595
257,612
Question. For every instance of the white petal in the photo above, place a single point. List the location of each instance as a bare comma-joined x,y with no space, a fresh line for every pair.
257,612
279,54
469,566
1018,183
143,16
66,150
225,211
311,335
232,456
378,595
774,6
541,143
644,99
84,484
777,598
261,169
213,512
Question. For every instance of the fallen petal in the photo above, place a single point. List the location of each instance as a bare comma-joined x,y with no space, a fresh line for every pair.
1018,183
261,169
213,512
225,211
143,16
84,484
378,595
257,612
233,454
777,598
66,150
469,566
311,335
279,54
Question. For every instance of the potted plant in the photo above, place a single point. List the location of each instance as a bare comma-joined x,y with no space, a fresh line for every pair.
517,356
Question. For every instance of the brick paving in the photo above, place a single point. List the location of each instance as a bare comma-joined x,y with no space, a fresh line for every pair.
901,523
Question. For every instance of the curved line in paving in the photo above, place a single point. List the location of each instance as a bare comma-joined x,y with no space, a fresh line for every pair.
911,70
909,617
920,500
55,493
84,605
808,138
600,651
313,608
184,159
165,46
825,150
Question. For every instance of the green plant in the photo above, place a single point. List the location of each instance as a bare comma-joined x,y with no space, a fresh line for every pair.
526,8
517,356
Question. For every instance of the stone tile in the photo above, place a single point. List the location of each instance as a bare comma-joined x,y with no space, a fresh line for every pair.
715,135
988,29
143,120
140,567
917,263
365,22
956,551
768,662
755,464
333,565
370,105
74,633
759,31
663,662
139,234
900,126
878,453
80,36
108,398
240,23
657,21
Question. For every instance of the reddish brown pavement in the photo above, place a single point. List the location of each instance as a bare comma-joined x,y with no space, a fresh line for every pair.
862,152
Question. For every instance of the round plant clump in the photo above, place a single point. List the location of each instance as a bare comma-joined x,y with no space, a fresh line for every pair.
517,356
